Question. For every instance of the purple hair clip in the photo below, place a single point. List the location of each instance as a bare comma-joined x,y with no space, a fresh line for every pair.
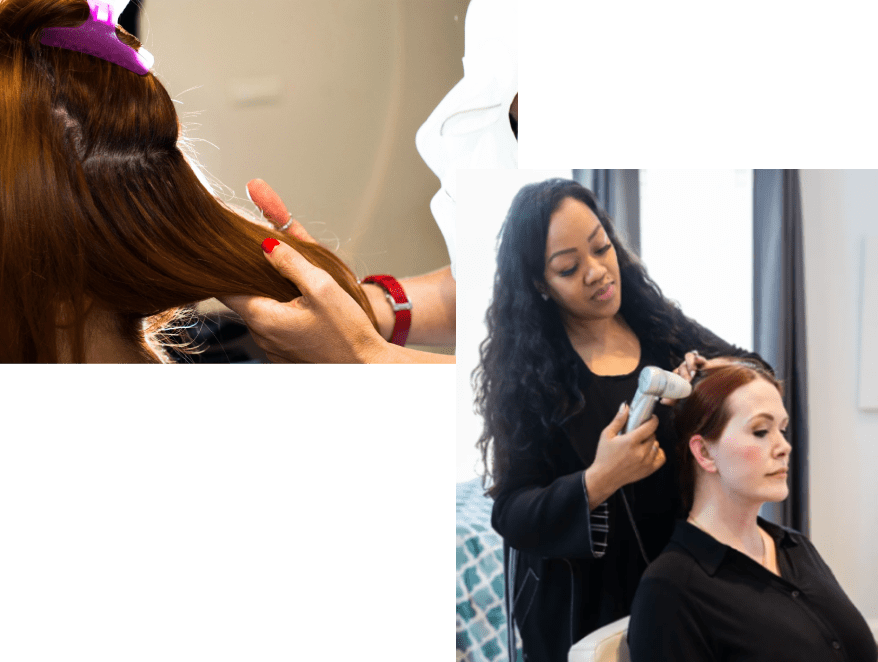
97,36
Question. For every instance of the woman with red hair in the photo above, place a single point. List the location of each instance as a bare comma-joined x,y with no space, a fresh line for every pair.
731,585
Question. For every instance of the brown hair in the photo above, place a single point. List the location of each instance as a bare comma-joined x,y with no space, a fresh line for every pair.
705,412
98,205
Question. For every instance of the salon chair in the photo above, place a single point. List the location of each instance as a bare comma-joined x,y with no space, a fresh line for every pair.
609,643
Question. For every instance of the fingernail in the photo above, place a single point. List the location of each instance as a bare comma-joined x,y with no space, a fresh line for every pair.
247,191
621,407
270,244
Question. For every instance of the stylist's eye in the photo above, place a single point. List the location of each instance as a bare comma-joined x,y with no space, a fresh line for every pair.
760,433
568,272
603,249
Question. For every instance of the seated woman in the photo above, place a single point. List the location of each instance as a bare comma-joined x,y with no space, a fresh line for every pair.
106,231
730,585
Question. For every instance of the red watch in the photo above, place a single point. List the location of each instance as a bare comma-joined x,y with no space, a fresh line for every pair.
402,307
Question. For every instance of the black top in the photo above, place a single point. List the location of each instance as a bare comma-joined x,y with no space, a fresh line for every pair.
703,600
559,584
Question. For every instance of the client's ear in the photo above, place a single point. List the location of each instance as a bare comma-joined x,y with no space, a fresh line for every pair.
698,446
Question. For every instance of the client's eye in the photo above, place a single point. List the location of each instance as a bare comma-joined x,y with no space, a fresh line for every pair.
569,272
760,433
603,249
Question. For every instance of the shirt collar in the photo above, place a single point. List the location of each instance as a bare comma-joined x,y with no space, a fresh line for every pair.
710,552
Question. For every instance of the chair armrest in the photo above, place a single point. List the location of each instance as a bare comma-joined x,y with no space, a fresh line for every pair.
606,644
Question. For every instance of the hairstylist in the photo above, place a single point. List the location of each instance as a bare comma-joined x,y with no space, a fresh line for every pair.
474,126
574,318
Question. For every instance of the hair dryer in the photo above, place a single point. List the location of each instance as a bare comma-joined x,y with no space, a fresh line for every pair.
654,383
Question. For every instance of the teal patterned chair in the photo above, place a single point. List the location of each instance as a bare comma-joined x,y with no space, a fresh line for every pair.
481,618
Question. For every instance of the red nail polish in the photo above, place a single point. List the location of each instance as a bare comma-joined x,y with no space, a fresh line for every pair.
270,244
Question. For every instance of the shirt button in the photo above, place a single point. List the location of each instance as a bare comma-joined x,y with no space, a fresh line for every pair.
836,645
796,594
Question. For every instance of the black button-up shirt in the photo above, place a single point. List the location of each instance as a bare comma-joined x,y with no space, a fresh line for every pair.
703,600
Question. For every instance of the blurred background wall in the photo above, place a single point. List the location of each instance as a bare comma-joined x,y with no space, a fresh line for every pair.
839,211
322,99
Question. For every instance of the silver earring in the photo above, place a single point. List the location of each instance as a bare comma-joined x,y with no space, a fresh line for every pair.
545,296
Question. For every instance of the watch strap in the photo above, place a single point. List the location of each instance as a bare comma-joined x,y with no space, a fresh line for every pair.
402,307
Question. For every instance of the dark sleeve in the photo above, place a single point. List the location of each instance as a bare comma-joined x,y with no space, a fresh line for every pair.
550,520
664,626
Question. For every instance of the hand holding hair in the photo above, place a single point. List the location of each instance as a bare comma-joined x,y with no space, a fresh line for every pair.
323,325
274,209
692,363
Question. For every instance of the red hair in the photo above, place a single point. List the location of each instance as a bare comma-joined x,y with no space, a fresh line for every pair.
706,412
98,205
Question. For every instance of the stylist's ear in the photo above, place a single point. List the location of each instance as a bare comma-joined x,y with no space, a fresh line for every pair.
541,288
698,446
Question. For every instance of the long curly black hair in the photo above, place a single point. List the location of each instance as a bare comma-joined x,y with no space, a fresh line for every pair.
526,384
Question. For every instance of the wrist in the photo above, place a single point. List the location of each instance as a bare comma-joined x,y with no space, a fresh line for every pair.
400,306
380,351
597,486
381,308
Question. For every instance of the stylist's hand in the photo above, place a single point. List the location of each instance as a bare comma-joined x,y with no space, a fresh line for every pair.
692,362
626,458
323,325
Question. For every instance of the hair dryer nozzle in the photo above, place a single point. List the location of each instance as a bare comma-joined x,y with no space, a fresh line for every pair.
654,383
663,384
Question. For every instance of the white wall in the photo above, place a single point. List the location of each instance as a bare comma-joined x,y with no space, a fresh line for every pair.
354,81
840,208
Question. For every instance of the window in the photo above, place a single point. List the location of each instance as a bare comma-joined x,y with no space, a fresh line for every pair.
697,243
